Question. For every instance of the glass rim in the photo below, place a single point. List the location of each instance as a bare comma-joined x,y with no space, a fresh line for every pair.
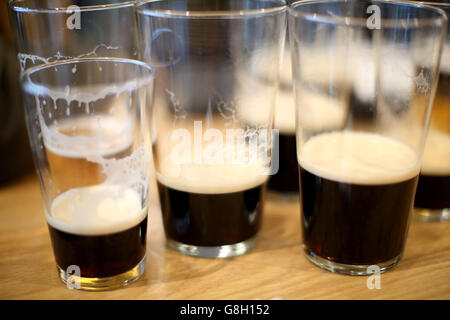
34,88
441,19
192,14
14,5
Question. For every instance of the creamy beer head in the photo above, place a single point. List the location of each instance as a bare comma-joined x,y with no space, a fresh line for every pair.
210,204
359,158
436,159
206,206
210,179
96,210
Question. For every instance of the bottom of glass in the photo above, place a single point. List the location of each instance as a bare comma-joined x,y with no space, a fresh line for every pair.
106,283
350,269
225,251
432,215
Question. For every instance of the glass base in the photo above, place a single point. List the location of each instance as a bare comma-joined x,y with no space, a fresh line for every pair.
99,284
349,269
432,215
225,251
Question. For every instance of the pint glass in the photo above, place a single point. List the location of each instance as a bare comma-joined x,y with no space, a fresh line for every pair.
217,65
365,75
89,135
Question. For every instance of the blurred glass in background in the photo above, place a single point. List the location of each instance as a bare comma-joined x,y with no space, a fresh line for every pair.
15,154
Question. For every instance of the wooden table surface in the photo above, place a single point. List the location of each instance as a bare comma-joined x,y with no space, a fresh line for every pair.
275,269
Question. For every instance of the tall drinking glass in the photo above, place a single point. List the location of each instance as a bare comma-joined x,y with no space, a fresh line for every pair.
86,98
89,134
433,190
365,75
51,30
217,66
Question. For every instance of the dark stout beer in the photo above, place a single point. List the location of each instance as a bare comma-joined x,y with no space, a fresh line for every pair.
433,191
100,256
100,229
286,179
211,206
211,219
356,194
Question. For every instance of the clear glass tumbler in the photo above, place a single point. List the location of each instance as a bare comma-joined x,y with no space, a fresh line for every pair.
89,131
217,65
365,75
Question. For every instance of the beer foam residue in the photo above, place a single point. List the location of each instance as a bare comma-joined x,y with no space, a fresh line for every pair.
130,170
95,135
25,57
86,94
105,138
359,158
210,179
436,160
96,210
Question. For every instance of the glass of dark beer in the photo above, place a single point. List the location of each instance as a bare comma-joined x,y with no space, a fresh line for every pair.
88,131
84,118
432,202
362,117
217,65
284,184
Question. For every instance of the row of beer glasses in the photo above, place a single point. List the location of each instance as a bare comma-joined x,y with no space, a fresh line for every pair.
193,85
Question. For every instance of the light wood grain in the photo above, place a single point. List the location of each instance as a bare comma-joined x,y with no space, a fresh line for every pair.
276,268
